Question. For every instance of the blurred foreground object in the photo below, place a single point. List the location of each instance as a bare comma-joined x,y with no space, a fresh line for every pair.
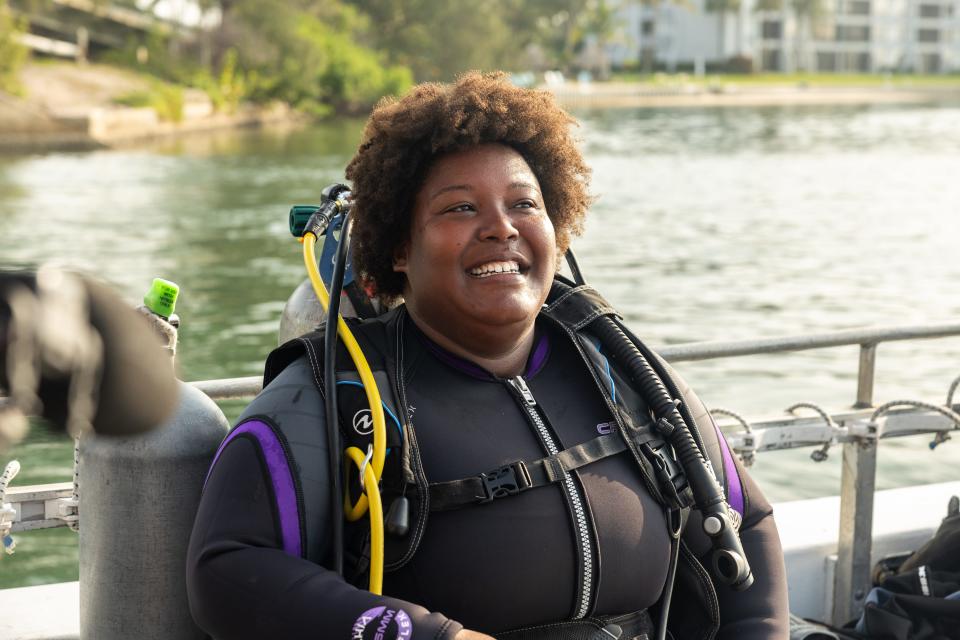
138,496
75,354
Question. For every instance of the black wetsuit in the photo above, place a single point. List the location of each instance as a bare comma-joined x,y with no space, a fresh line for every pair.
507,564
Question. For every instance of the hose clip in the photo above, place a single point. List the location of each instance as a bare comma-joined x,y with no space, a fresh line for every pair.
363,467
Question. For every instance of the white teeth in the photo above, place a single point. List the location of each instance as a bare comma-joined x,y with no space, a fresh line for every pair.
491,268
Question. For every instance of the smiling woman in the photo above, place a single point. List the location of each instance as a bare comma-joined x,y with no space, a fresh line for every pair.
548,476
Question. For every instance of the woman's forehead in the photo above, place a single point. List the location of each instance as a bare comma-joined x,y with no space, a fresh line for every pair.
466,167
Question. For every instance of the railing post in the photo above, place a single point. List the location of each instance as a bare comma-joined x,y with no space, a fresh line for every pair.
857,485
868,365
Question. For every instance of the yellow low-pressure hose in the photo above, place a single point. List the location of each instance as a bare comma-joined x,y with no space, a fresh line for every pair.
371,488
374,470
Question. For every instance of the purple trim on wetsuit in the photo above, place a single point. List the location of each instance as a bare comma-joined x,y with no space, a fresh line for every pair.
734,488
280,477
538,357
460,364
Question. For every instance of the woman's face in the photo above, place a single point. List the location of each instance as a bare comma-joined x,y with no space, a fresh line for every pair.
482,251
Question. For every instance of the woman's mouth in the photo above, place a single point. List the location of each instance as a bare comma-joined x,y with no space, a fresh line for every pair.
494,268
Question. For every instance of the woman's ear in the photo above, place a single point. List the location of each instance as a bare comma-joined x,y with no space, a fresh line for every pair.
400,258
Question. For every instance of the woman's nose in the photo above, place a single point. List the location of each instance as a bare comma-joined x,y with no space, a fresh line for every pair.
497,224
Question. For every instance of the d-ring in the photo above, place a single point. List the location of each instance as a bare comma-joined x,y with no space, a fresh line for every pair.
363,467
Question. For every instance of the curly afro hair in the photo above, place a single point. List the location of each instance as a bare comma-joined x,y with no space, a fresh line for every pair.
404,136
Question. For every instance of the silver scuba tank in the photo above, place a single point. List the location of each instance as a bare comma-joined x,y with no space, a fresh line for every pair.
138,499
302,313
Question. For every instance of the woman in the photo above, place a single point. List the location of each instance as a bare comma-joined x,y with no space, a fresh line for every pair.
466,197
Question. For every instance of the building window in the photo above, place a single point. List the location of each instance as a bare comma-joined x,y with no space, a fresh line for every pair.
771,60
646,27
826,61
928,35
858,7
932,63
930,10
851,61
771,30
852,33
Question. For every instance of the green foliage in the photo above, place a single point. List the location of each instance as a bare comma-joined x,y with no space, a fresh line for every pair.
12,53
229,88
304,52
807,8
438,39
722,6
165,99
309,57
153,55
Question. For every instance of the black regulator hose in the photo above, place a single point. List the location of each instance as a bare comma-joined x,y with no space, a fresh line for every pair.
728,560
330,390
574,266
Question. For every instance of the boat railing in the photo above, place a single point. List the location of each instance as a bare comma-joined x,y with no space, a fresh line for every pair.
856,430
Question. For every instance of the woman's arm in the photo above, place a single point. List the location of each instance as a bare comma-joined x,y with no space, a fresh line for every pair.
762,611
243,584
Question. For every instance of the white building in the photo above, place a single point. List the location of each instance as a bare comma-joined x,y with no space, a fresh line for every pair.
920,36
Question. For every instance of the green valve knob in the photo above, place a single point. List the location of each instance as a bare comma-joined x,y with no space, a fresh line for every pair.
162,297
299,217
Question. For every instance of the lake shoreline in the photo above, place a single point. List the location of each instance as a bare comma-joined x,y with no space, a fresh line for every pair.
74,108
68,107
640,95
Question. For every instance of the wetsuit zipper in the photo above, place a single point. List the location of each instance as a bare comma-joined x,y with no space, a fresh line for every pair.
573,496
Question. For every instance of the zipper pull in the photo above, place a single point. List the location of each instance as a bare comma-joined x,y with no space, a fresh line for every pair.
520,385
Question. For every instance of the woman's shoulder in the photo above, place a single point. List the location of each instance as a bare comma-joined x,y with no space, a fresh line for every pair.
292,392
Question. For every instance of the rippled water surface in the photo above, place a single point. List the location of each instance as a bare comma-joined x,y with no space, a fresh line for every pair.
711,224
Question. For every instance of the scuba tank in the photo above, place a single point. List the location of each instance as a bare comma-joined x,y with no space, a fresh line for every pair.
138,497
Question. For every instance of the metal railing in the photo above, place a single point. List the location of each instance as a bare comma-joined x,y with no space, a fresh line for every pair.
857,431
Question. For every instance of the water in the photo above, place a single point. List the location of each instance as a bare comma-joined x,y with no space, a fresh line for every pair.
711,224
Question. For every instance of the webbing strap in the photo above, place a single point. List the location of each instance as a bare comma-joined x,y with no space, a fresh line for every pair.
520,476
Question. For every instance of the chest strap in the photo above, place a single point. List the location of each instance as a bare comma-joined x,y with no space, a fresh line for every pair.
521,476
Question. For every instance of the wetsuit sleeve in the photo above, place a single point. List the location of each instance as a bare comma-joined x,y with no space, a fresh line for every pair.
246,578
762,611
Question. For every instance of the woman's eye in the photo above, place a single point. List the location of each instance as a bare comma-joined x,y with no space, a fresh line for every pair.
526,204
459,207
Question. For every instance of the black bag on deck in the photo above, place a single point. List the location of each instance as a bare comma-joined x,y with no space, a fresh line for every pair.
942,551
921,601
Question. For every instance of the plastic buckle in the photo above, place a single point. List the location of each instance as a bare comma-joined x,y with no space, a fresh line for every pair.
508,480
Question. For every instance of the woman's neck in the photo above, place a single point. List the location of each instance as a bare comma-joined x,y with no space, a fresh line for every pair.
503,353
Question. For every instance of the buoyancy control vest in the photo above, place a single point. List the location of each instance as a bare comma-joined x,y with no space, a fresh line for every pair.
695,612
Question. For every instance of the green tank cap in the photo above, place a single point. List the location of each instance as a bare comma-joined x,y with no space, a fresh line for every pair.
299,216
162,297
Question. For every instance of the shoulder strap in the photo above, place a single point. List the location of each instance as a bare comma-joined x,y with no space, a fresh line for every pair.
284,355
576,307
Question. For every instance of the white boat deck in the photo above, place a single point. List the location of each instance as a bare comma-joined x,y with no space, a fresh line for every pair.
903,520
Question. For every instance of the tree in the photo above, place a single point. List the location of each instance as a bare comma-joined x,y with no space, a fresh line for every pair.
12,52
723,8
805,11
309,54
440,38
562,27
